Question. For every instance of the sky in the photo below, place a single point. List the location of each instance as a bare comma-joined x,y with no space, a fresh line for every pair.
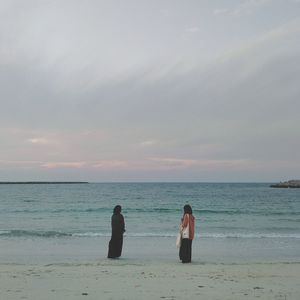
160,90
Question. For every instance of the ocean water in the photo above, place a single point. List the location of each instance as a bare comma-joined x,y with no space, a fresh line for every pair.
235,222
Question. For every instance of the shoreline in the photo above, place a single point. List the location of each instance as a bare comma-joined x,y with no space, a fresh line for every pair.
163,250
134,279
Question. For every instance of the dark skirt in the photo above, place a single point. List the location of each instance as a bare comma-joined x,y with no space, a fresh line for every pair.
115,246
185,251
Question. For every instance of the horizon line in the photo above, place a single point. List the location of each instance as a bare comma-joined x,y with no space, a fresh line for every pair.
100,182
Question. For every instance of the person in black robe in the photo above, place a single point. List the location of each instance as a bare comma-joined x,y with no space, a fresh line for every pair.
117,231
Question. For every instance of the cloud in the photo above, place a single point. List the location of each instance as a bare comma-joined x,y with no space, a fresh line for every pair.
193,29
20,162
176,163
245,7
170,162
148,143
110,164
151,163
222,11
90,92
39,141
63,165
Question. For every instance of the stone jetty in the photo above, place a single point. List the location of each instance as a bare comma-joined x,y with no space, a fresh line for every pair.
287,184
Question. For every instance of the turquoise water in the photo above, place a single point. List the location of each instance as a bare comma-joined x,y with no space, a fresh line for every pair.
233,220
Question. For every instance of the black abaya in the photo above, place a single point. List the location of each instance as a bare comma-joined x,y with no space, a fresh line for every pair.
185,251
116,241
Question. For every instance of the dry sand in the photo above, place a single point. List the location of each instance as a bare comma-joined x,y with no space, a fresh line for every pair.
123,279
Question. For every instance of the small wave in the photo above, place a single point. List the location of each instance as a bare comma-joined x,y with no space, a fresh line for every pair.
59,234
142,234
91,234
150,234
4,232
31,233
156,210
204,235
249,235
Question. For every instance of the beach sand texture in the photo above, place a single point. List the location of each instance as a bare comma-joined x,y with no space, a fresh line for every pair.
122,279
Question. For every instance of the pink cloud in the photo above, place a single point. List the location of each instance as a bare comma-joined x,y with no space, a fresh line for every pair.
151,164
103,164
175,163
16,162
110,164
58,165
19,164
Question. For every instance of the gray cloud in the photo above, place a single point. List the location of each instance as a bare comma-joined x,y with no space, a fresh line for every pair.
147,90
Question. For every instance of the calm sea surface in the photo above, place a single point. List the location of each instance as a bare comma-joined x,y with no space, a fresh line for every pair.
234,221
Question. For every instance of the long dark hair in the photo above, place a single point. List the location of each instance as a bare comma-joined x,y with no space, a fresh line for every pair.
187,209
117,209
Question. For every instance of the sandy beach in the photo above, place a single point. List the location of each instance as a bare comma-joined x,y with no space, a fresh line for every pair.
128,279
